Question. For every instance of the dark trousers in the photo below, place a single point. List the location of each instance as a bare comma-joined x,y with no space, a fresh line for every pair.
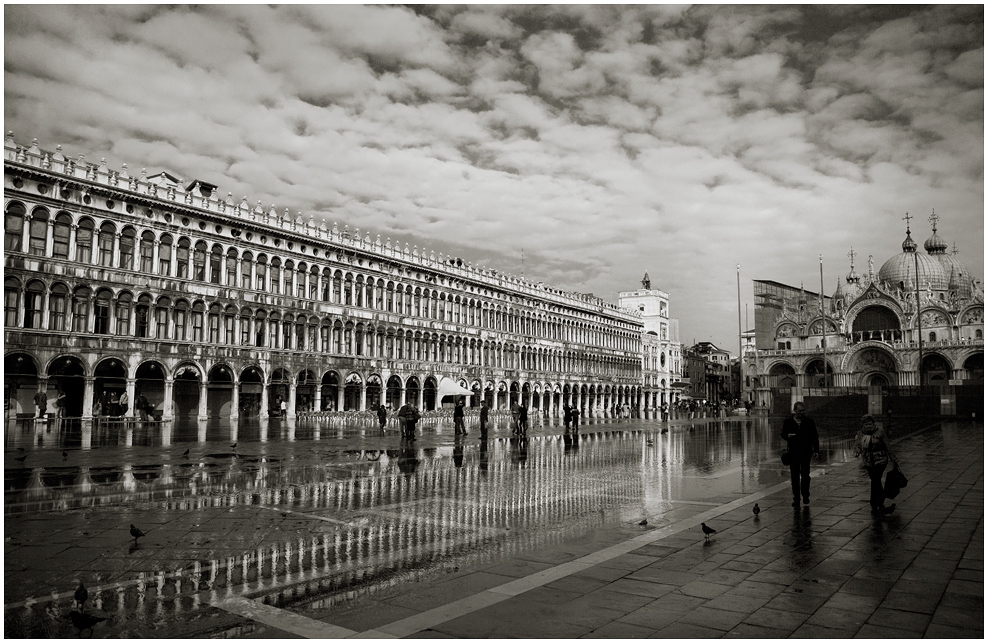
877,497
799,472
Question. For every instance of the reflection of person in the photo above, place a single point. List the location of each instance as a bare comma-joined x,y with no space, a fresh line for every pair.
458,452
41,401
484,415
871,443
800,434
458,426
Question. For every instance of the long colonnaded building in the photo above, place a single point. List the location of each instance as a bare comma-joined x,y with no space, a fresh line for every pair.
210,307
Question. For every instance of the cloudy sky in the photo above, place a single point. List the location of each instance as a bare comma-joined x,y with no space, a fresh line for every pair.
580,145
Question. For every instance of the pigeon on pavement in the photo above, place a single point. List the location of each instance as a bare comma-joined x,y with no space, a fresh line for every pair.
756,510
21,459
85,621
707,530
81,596
186,454
65,455
136,533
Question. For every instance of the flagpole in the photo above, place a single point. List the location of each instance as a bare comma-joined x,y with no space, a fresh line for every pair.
740,347
823,321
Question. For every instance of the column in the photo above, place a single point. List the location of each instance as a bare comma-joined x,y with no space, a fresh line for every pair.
340,390
87,399
168,405
131,389
401,401
263,412
203,392
235,402
292,387
72,241
363,396
317,398
50,237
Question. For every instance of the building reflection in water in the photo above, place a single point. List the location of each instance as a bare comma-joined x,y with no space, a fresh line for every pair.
364,519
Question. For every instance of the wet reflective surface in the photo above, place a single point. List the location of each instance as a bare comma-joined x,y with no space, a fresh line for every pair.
306,513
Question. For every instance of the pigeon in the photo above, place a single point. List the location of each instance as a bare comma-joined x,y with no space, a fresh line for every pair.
234,446
186,454
84,621
21,459
756,509
81,596
65,455
707,530
136,533
644,522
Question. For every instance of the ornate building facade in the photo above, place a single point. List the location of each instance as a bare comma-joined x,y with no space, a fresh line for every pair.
661,350
919,320
211,307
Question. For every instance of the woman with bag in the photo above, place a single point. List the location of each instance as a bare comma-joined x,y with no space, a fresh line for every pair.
871,443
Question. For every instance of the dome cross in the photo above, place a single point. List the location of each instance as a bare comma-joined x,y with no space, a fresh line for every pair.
933,219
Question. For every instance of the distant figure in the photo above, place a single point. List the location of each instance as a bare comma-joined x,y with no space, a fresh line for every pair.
284,407
408,415
142,407
574,416
113,409
522,420
800,434
382,416
515,415
41,401
60,401
484,415
124,403
458,425
566,417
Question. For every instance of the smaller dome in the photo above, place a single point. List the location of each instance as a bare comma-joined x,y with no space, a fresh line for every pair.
935,244
909,245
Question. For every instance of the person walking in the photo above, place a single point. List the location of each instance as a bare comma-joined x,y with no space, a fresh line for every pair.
458,425
409,416
41,401
800,434
284,407
515,415
566,418
871,443
522,420
124,403
142,407
382,416
484,416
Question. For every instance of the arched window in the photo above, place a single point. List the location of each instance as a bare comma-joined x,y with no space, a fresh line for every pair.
101,317
230,325
301,281
348,291
245,326
933,337
60,236
260,272
246,269
231,267
181,315
128,240
165,255
13,227
274,281
199,261
80,310
289,277
84,241
147,252
359,294
11,301
57,305
107,233
38,232
977,334
34,297
259,318
337,288
142,314
122,313
327,287
214,324
215,264
161,317
182,258
198,311
314,282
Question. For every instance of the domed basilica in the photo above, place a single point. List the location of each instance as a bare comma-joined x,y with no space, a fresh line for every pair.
874,332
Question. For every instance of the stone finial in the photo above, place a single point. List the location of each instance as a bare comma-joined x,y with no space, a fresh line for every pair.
229,198
46,161
123,172
388,244
58,154
10,138
336,230
259,209
378,242
34,147
144,174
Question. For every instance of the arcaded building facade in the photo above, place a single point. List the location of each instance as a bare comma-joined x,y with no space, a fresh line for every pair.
211,307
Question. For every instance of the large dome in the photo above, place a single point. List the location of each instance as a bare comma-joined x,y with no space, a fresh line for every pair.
958,276
900,270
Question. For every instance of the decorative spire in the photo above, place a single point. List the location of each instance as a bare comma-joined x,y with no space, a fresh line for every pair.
933,219
908,245
646,282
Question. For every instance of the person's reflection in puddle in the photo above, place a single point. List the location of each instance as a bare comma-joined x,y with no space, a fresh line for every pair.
407,458
458,451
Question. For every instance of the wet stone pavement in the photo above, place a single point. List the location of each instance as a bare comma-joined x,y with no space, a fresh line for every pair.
335,530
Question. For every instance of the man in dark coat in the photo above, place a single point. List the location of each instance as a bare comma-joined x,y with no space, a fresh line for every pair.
484,416
458,425
382,416
800,434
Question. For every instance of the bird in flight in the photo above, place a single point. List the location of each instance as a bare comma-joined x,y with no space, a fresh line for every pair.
707,530
756,509
136,533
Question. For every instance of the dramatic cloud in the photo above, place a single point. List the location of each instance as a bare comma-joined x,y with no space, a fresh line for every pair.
581,144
